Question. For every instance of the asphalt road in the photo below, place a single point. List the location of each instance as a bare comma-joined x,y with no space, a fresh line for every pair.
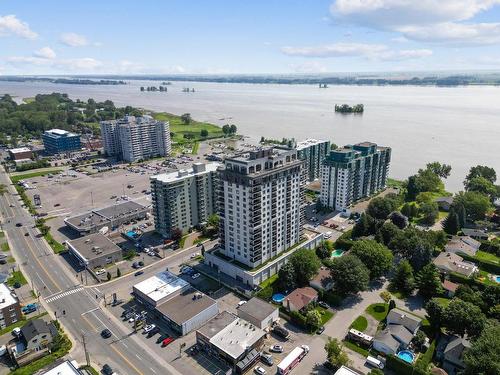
77,307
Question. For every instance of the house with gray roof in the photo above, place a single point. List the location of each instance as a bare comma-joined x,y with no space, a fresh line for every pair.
477,234
444,203
448,262
450,352
259,312
462,244
410,322
400,330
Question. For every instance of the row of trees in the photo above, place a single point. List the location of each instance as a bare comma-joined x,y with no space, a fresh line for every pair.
229,129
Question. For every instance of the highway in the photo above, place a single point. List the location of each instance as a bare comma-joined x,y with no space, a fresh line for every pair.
77,307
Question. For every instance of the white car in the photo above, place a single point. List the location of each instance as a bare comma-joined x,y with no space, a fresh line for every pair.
328,234
149,328
195,276
259,370
100,271
276,349
306,348
241,303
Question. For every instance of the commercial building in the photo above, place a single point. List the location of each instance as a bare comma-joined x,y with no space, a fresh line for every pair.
136,138
66,367
95,250
184,199
343,370
353,172
232,339
10,309
261,205
110,217
259,312
58,141
20,153
176,302
313,152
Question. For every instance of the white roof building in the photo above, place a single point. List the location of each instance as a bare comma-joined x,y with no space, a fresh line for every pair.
7,298
66,368
159,287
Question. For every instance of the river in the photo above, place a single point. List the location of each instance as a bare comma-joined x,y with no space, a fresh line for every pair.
454,125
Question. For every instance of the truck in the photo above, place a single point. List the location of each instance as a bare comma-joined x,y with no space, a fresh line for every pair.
291,360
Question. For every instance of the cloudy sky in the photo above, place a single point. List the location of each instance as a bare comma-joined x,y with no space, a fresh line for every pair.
259,36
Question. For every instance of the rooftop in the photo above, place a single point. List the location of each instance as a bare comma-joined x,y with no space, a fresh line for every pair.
93,246
301,297
65,368
59,133
397,316
346,371
259,153
19,150
452,262
35,327
308,143
161,285
450,286
197,169
216,324
257,308
185,305
323,277
7,297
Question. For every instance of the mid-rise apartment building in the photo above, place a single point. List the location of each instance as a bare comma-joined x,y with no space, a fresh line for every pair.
313,152
261,204
10,309
58,141
184,199
353,172
135,138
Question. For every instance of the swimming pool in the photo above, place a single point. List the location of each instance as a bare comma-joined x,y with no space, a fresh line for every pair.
406,356
497,279
337,253
278,298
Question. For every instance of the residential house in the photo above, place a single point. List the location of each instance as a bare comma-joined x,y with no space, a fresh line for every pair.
300,298
450,352
448,262
477,234
400,330
444,203
409,321
34,342
463,244
449,288
323,280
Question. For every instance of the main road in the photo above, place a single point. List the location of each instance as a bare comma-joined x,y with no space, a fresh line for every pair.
77,307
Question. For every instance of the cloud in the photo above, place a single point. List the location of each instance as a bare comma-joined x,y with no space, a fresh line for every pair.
45,53
11,25
74,40
369,51
85,64
309,67
440,21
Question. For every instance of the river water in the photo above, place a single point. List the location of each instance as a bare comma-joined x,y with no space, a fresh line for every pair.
458,126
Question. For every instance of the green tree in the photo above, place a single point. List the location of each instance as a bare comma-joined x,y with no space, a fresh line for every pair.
386,296
336,354
380,207
429,282
476,204
484,186
403,279
451,224
213,221
376,371
349,274
424,180
435,313
398,219
387,232
461,213
480,171
376,257
462,318
226,129
324,250
186,118
410,210
364,227
233,129
467,294
313,319
306,265
419,339
429,212
204,133
442,170
287,277
484,355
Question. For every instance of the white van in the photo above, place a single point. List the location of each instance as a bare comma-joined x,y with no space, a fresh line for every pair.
3,350
374,362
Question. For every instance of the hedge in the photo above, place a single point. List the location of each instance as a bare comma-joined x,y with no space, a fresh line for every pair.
483,264
345,241
461,279
424,360
490,247
401,367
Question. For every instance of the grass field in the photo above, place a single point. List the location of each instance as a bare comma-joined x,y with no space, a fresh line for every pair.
26,176
483,255
360,323
17,276
378,310
326,315
194,128
443,301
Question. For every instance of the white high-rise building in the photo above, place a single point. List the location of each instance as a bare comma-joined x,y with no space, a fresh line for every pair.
353,172
136,138
184,199
261,204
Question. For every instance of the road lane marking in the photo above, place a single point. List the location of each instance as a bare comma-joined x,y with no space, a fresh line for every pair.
87,312
63,294
152,370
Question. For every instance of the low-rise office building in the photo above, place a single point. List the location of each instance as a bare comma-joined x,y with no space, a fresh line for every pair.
110,217
58,141
233,339
95,250
184,199
159,288
20,153
10,309
259,312
67,367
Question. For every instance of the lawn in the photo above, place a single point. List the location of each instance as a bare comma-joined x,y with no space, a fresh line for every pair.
25,176
443,301
488,257
378,310
193,129
326,315
17,276
360,323
355,348
5,246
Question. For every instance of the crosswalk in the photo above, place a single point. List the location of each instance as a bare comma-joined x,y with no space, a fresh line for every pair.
63,294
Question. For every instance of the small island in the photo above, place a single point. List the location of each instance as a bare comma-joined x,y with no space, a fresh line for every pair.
154,88
345,108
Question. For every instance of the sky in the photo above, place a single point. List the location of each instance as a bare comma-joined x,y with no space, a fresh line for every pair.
247,37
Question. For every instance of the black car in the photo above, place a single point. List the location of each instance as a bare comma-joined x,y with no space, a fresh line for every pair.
320,330
138,273
19,225
153,332
26,234
107,370
106,333
161,338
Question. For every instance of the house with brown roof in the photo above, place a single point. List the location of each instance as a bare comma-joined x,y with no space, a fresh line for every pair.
300,298
323,280
450,288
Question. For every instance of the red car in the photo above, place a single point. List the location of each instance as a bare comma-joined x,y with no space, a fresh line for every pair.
167,341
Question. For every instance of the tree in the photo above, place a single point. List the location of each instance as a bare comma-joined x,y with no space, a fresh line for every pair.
398,219
118,272
226,129
429,282
386,233
313,319
419,339
386,296
376,257
335,353
462,318
213,221
287,277
233,129
324,250
484,186
380,207
349,274
484,355
364,227
476,204
467,294
3,189
480,171
376,371
442,170
429,212
306,264
424,180
186,118
451,224
435,313
204,133
409,210
403,279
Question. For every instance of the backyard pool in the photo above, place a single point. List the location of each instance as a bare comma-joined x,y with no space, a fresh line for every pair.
406,356
337,253
278,298
497,279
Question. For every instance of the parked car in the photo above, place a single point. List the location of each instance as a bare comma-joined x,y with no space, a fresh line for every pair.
280,331
154,331
149,328
135,265
29,308
19,225
161,338
195,276
167,341
16,332
306,348
138,273
100,271
106,333
107,370
323,304
259,370
267,359
320,330
241,303
276,348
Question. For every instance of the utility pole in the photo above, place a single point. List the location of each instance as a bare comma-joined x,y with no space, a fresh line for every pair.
87,358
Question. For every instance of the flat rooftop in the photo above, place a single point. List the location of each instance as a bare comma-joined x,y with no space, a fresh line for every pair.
161,285
257,308
64,368
185,305
93,246
308,143
19,150
346,371
59,132
216,324
7,297
237,337
260,153
185,173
